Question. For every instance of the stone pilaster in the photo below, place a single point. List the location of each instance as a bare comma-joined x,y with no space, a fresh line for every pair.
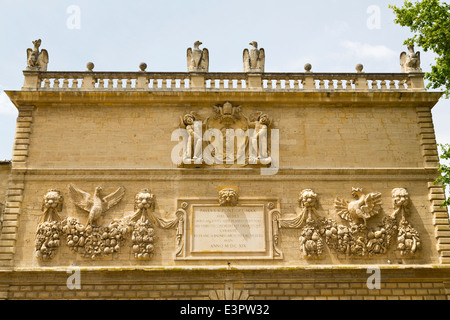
436,195
427,137
14,193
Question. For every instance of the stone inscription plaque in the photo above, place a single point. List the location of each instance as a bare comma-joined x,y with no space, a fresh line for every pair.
228,229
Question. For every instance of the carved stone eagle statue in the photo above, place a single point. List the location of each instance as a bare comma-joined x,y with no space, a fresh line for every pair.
37,60
364,207
197,59
410,62
254,58
97,205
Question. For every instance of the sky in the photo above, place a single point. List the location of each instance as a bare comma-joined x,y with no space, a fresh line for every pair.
331,35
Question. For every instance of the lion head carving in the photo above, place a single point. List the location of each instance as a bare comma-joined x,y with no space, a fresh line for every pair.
228,197
307,199
144,200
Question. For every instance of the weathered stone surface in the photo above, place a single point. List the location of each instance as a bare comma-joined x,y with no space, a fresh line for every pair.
293,232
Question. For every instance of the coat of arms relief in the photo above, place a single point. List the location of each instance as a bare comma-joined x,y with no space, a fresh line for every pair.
225,137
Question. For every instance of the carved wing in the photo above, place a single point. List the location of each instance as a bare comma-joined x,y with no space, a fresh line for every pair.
43,60
189,58
113,198
254,116
196,116
372,204
246,60
182,124
205,60
341,207
418,56
80,198
403,56
261,59
29,50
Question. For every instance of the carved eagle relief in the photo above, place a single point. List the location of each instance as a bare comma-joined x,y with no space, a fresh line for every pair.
37,60
197,59
254,58
410,62
364,207
95,205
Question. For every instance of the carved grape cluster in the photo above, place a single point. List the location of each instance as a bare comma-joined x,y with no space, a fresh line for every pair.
142,239
94,241
356,240
408,240
311,242
48,239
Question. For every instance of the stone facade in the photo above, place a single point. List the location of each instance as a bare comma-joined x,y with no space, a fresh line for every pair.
351,187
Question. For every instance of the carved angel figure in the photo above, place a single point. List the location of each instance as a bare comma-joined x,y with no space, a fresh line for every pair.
97,205
364,207
37,60
259,146
193,149
52,204
197,59
254,58
410,62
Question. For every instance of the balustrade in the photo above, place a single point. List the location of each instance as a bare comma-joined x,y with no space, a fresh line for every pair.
172,81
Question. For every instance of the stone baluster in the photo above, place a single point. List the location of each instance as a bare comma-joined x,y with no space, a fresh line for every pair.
101,83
